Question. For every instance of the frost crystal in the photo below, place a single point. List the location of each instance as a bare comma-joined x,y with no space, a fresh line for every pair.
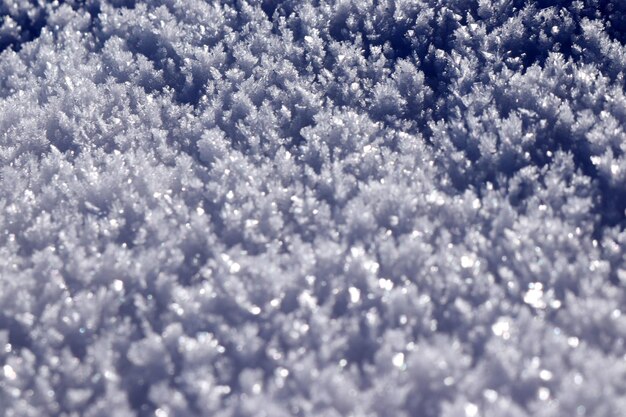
355,294
534,296
312,208
543,394
118,285
502,328
467,261
471,410
9,373
398,360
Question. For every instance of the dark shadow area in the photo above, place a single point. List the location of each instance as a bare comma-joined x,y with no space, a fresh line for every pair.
19,336
269,7
28,30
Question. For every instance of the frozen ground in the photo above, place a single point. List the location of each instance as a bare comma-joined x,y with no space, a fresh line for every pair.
391,208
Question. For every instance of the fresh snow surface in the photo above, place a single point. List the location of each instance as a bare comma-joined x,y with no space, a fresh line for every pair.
366,208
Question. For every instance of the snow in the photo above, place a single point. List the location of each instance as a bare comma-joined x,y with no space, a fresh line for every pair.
312,208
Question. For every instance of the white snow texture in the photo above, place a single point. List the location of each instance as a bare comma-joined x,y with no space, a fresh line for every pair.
367,208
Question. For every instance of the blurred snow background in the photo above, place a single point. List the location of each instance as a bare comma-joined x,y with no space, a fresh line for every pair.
312,208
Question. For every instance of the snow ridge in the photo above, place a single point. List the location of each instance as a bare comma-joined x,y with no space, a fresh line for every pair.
312,208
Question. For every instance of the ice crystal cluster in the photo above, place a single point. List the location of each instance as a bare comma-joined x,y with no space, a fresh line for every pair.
330,208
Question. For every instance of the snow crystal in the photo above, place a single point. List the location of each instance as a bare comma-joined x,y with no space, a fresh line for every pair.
471,410
398,360
355,294
306,299
9,373
448,381
118,285
543,394
288,207
573,341
502,328
545,375
534,296
490,395
385,284
282,372
578,379
234,268
467,261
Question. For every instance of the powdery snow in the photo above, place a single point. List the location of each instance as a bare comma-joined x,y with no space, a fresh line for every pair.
323,208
